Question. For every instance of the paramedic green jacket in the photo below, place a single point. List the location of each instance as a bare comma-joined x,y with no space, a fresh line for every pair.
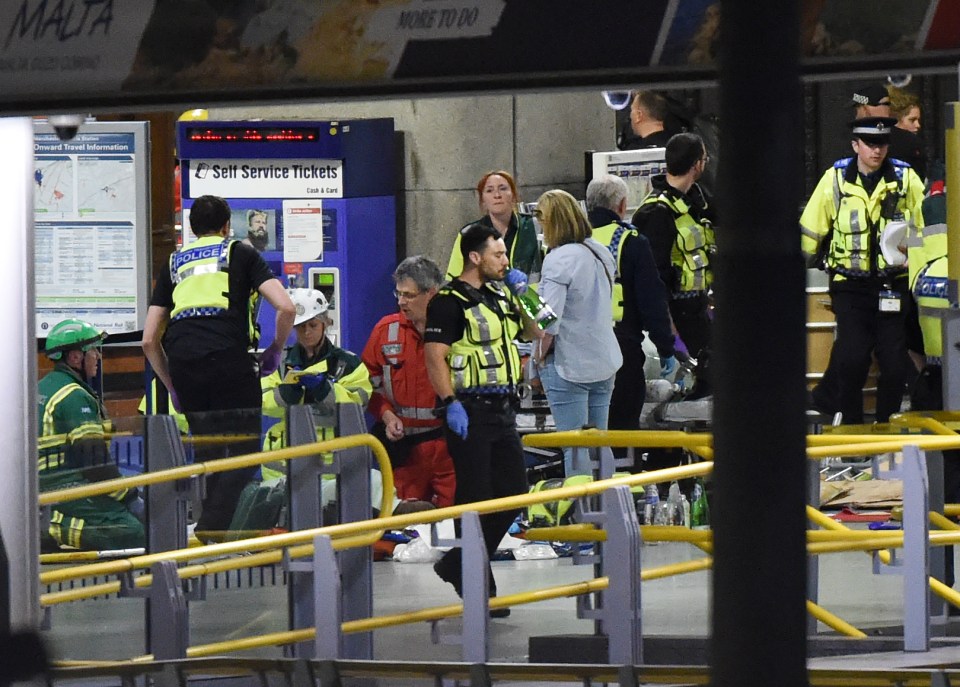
73,451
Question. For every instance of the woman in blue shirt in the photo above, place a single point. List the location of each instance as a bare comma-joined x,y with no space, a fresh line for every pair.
579,355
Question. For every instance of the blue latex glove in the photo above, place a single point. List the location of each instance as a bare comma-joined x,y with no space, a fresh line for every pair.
516,281
311,382
270,359
668,366
457,419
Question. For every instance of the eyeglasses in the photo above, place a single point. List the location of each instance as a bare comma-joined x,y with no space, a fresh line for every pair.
705,159
405,295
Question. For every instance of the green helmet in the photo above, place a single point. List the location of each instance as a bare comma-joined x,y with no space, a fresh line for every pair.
71,335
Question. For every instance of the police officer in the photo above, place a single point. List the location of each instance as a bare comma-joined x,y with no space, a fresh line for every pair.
840,229
639,298
929,283
73,446
674,218
474,368
203,308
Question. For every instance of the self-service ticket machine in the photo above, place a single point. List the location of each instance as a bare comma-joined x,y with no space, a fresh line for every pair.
317,199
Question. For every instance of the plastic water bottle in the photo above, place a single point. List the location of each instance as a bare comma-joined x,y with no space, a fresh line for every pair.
699,510
674,507
651,505
685,507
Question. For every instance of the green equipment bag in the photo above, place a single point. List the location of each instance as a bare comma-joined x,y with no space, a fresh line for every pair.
553,513
259,507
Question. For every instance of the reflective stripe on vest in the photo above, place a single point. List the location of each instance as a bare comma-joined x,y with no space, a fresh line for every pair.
854,241
691,250
48,440
390,349
931,290
486,354
200,277
613,236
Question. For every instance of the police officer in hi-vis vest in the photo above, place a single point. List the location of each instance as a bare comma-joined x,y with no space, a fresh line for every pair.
639,300
929,282
474,367
840,228
675,219
203,308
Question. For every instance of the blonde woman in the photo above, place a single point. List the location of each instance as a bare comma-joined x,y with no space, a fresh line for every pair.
578,355
905,142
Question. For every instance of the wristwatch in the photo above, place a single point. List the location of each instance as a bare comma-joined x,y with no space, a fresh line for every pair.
448,400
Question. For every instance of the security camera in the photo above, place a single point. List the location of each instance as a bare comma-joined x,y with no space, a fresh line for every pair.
617,100
66,125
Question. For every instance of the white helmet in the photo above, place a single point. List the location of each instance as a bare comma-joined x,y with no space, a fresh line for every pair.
310,303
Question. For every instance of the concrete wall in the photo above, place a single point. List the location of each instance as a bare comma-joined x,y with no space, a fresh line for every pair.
451,141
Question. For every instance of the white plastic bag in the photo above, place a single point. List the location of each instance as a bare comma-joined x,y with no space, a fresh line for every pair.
416,551
534,551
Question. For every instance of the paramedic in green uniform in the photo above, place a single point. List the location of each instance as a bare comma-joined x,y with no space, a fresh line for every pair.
74,447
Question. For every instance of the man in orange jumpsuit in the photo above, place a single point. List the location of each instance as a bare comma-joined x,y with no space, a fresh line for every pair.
403,400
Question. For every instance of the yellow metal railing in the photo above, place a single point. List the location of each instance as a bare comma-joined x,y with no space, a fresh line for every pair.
349,534
224,464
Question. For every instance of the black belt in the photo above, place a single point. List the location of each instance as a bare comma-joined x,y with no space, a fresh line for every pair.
497,402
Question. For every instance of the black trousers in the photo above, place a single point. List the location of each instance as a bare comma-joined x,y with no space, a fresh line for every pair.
220,394
629,388
692,320
488,464
862,330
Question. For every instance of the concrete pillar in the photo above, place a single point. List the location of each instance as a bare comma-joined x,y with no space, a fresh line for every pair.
759,625
18,364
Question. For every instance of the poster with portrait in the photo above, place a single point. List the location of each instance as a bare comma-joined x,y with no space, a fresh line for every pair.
255,226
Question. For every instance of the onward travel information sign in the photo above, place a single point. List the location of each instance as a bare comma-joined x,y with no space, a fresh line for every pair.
90,201
79,51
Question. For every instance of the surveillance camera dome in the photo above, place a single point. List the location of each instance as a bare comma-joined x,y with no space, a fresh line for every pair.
66,125
617,100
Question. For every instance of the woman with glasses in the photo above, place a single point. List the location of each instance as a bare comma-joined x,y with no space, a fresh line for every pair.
497,193
578,355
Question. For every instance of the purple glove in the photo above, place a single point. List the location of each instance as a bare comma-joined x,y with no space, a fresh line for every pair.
680,347
175,401
270,359
516,281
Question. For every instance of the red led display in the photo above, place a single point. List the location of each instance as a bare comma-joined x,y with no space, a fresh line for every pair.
253,134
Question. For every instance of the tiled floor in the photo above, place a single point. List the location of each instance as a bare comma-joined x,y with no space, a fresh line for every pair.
677,607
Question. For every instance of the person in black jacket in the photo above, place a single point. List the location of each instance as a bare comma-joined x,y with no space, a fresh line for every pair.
676,219
640,299
648,111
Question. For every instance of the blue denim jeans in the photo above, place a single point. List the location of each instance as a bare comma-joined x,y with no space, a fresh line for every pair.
573,405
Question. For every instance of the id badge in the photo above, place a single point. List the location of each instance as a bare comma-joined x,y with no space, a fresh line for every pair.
889,301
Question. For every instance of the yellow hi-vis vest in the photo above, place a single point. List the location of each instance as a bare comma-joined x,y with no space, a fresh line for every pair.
486,354
199,273
930,290
201,282
691,251
854,220
613,236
